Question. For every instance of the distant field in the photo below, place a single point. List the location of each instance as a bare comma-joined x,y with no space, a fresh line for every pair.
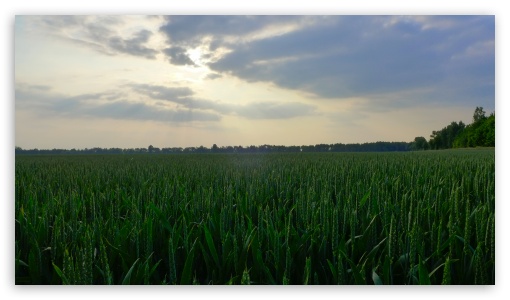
300,218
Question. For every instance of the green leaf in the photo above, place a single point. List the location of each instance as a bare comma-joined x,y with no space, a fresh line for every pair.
161,217
374,250
463,242
154,268
60,274
257,257
387,271
308,270
358,278
34,261
212,248
365,198
332,268
377,280
439,267
19,261
127,278
187,272
248,240
423,274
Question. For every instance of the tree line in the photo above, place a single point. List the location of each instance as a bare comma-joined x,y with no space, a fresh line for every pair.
480,133
338,147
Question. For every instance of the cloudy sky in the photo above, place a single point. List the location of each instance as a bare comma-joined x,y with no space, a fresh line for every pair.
175,81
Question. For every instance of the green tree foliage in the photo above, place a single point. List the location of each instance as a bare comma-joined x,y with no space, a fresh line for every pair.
480,133
419,143
479,115
338,147
444,138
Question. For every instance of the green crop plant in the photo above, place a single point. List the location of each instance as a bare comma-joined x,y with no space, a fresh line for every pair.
299,218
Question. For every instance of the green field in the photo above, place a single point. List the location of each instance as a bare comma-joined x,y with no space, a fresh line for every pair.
303,218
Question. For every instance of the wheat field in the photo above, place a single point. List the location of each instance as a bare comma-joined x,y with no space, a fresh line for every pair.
303,218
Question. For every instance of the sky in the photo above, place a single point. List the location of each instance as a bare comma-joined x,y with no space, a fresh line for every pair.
129,81
47,73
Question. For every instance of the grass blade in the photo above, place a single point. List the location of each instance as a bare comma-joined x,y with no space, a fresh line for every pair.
424,278
210,244
377,280
188,265
127,278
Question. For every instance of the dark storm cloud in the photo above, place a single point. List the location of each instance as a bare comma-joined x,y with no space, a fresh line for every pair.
363,56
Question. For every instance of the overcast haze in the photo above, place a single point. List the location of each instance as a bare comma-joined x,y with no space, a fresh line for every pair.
177,81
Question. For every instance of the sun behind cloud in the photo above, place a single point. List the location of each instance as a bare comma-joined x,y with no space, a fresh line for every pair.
239,79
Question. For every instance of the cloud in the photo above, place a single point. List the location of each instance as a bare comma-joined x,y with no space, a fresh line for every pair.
119,104
178,56
255,110
141,111
110,35
213,76
108,105
275,110
133,46
192,30
350,56
161,92
217,34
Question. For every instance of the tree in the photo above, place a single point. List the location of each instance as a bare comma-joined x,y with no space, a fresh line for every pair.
444,138
419,143
480,133
150,148
479,115
488,130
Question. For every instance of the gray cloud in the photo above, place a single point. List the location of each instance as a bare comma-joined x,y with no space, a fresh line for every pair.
161,92
178,56
275,110
134,46
451,57
98,33
113,105
213,76
141,111
256,110
61,21
103,105
191,30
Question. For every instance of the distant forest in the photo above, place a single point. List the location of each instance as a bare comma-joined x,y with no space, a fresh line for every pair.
365,147
480,133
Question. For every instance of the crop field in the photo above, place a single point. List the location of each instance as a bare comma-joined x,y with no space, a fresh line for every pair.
424,217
